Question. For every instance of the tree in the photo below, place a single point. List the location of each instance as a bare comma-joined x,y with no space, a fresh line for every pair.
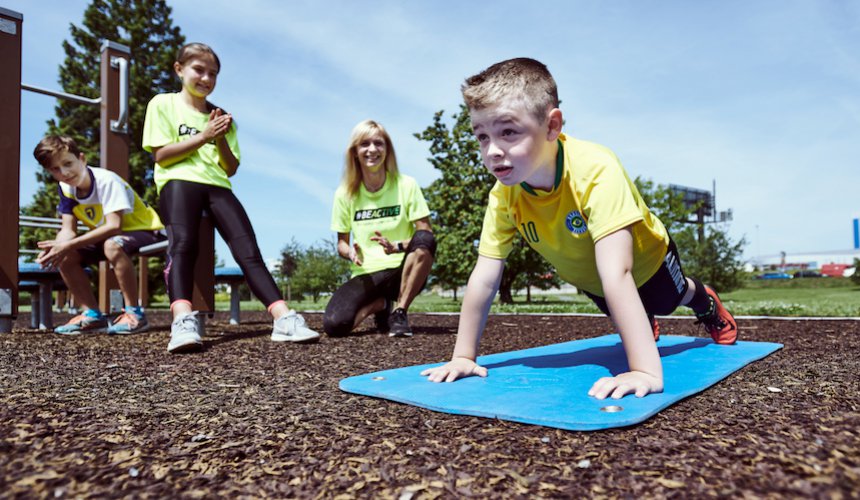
147,28
318,269
666,204
525,268
286,268
458,199
716,260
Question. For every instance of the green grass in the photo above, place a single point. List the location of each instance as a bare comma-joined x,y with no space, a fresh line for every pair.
798,297
824,297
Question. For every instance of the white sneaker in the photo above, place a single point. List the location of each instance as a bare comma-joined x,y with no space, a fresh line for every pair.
291,328
184,334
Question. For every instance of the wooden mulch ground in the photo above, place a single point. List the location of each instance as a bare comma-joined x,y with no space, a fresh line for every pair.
103,416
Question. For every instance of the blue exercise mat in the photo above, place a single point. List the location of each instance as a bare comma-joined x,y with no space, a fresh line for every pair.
549,385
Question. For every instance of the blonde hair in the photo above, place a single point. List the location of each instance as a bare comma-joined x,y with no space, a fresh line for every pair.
352,177
52,146
521,79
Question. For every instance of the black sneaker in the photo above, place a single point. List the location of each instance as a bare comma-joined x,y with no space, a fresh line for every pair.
399,324
381,318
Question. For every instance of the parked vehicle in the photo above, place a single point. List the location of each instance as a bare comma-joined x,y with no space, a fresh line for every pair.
835,270
808,274
774,276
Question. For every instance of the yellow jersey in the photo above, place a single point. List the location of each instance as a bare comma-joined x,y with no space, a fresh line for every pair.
592,198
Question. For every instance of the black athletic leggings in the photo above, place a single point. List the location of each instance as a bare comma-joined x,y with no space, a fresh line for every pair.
181,205
362,290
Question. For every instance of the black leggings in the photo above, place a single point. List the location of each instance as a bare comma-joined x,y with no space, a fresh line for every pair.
181,204
361,290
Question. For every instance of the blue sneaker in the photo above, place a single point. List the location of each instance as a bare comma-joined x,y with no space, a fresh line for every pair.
89,321
131,321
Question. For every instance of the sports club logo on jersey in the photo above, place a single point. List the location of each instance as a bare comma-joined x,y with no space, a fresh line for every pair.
377,213
575,222
90,213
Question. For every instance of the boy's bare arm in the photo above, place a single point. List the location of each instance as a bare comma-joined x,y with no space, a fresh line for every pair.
55,251
482,287
69,228
614,255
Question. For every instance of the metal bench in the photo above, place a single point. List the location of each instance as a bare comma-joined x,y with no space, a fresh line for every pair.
234,277
41,283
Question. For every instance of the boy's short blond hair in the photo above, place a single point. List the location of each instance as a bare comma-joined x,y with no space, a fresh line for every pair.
52,146
521,79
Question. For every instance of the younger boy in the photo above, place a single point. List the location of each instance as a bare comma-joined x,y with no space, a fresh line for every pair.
119,221
573,203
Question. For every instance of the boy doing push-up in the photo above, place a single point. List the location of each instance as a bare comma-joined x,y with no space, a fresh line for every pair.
573,203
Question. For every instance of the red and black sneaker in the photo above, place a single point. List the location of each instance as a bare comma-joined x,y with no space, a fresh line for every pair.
718,321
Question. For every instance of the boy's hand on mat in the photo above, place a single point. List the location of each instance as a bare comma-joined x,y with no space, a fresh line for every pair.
639,383
454,369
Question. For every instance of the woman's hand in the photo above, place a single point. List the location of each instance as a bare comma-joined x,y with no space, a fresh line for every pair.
387,246
355,254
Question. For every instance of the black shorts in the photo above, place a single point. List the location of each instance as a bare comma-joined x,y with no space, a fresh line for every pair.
663,291
130,242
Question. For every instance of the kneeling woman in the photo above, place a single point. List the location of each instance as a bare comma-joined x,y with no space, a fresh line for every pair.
392,246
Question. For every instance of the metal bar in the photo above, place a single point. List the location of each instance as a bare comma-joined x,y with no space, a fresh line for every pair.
121,123
35,309
62,95
38,219
235,304
50,225
40,224
46,306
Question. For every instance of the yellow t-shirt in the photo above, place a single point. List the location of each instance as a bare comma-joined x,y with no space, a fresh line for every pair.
392,211
170,120
593,197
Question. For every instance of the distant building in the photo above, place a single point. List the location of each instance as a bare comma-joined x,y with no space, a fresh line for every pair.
809,260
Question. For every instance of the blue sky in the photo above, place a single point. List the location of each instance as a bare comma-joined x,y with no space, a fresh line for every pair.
761,97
